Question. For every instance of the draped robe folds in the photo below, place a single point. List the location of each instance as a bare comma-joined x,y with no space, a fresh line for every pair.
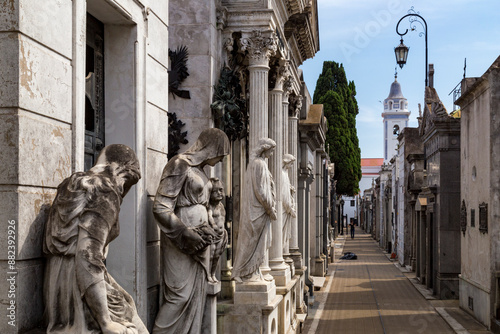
183,191
288,208
254,237
91,203
181,203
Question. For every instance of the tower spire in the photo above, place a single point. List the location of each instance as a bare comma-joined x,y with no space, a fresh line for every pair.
396,117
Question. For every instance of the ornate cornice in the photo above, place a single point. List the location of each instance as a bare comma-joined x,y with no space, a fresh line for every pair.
260,45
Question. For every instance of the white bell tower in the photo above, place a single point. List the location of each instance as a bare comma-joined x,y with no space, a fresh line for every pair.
396,116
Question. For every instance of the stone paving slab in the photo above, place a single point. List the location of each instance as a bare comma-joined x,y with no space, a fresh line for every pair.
371,295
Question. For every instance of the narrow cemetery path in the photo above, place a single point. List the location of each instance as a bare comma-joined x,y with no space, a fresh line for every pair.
370,295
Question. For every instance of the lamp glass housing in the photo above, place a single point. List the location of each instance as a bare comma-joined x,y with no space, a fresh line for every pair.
401,52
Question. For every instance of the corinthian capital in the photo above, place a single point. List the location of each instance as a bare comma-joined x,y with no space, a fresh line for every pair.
288,87
295,106
285,76
261,46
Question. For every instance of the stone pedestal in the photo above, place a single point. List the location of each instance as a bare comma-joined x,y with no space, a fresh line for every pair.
286,309
255,310
289,262
209,324
300,304
257,293
296,257
282,275
319,267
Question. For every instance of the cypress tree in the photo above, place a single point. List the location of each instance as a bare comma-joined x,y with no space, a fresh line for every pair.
338,97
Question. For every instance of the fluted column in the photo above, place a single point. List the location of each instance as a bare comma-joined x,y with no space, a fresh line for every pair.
275,166
261,46
287,89
293,121
279,269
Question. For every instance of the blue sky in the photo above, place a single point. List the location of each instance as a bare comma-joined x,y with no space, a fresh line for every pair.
361,34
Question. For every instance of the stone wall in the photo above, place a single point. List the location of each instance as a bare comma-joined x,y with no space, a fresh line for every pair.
479,175
36,150
42,108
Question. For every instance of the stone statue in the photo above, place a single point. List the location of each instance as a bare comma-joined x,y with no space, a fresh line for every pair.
80,295
257,212
181,210
216,218
287,191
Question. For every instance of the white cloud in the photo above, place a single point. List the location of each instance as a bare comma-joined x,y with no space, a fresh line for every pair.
370,114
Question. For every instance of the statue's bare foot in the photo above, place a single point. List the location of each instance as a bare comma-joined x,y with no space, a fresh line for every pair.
211,279
238,279
214,279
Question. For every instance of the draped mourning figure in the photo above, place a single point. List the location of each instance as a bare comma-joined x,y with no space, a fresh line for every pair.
217,219
258,209
287,191
80,295
181,210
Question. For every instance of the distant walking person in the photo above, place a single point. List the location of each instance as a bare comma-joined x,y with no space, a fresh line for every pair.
352,230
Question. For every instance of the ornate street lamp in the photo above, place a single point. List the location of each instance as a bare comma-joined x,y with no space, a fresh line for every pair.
401,50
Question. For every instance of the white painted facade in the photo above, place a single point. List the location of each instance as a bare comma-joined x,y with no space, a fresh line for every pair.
395,118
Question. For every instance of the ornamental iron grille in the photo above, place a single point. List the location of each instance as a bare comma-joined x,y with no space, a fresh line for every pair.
176,136
229,108
463,217
483,217
178,71
94,91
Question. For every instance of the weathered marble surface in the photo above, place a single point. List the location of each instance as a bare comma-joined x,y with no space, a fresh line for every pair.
216,218
287,199
80,295
180,209
258,210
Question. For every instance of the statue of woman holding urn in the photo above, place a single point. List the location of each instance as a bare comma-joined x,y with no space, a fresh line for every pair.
181,210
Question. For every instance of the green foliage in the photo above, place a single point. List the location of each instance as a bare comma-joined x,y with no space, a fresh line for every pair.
229,109
338,97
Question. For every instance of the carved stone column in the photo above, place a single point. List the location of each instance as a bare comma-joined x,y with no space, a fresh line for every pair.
287,89
279,269
261,46
293,121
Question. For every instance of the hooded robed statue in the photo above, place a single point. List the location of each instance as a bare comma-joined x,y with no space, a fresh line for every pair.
80,295
181,210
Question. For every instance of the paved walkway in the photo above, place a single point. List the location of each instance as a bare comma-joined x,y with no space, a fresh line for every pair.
371,295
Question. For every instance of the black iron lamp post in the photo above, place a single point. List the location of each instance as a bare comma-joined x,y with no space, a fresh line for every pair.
342,219
401,50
